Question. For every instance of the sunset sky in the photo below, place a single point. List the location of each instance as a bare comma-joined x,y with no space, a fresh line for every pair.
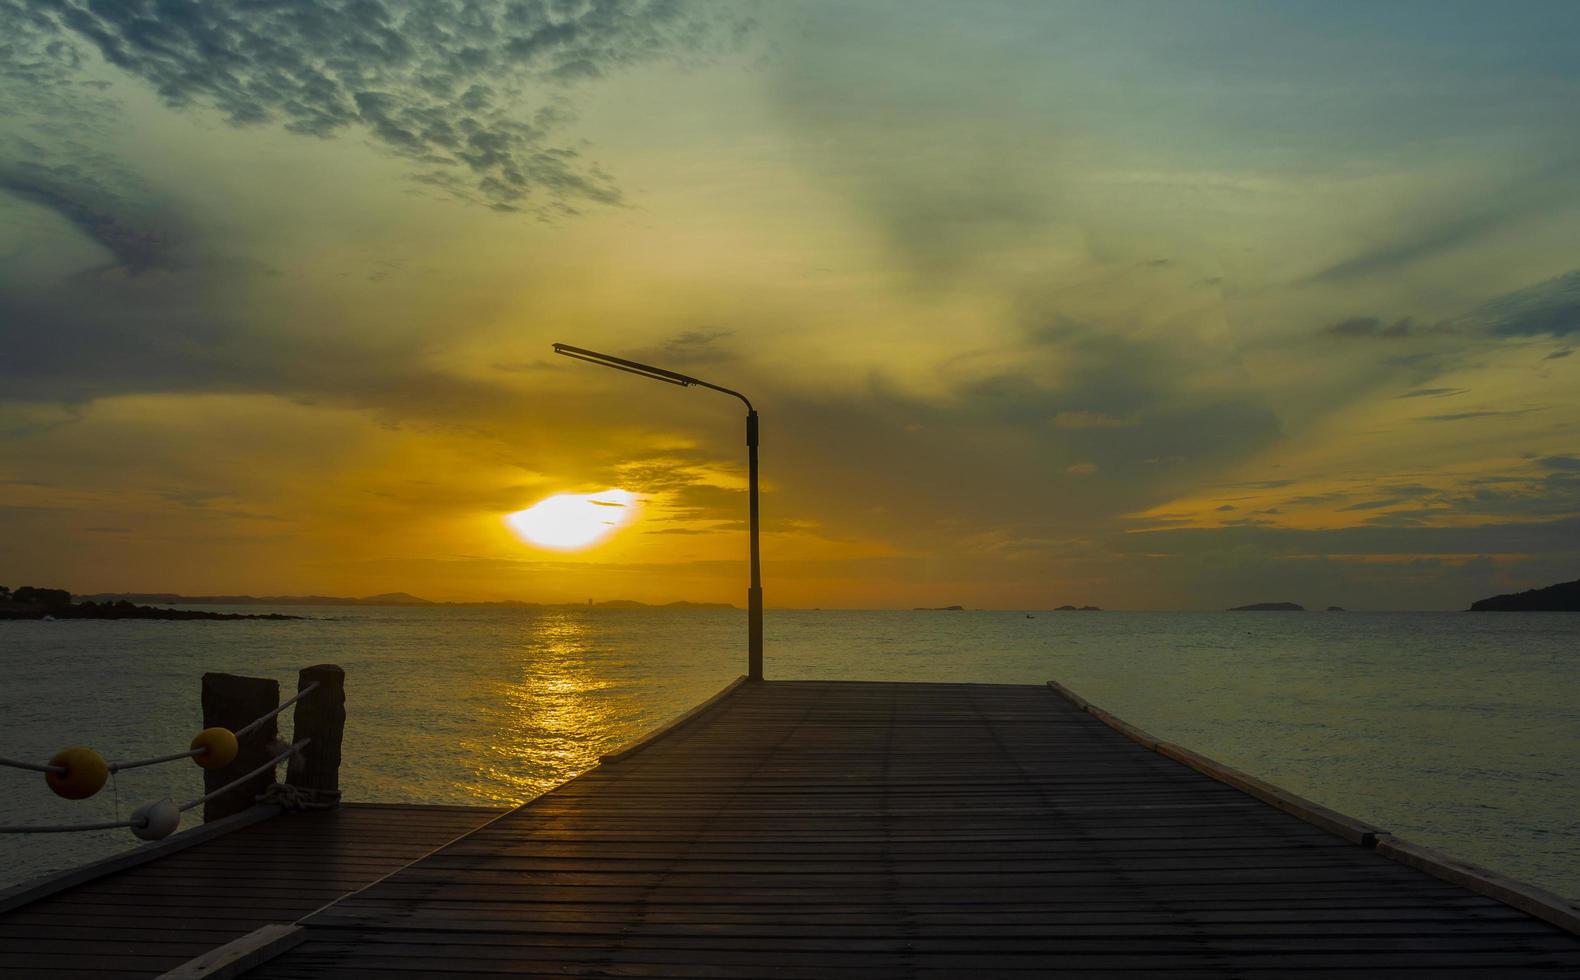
1145,305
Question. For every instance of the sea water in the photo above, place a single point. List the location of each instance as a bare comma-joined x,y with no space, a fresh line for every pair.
1459,731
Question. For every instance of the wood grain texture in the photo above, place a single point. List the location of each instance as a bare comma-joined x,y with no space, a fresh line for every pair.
833,830
144,920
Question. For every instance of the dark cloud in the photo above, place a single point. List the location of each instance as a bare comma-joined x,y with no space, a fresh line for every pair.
86,203
471,91
1551,494
1484,414
1370,326
1557,354
1551,308
694,501
1562,462
690,347
1433,239
1513,537
1312,500
1445,226
1375,504
1433,392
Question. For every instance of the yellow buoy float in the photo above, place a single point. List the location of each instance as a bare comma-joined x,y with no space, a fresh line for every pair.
86,772
219,745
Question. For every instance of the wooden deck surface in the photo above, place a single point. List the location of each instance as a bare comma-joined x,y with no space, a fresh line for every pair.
861,830
145,920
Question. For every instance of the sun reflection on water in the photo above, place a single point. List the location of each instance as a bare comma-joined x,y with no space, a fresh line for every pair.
546,723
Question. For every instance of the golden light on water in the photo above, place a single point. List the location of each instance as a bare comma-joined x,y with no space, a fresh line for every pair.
570,521
542,719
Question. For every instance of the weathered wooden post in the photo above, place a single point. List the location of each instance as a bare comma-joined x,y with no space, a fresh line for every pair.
234,702
320,716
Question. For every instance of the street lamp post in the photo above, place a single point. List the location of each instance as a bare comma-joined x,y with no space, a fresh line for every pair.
754,594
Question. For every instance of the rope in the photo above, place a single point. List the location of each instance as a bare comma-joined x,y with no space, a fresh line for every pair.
32,767
283,705
115,767
63,828
293,798
68,828
290,751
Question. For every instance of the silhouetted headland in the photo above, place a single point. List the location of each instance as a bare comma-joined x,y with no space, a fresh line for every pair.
1269,607
939,609
1335,609
1563,597
30,602
1078,609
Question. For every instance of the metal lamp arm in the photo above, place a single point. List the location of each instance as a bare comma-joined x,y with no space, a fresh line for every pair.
754,603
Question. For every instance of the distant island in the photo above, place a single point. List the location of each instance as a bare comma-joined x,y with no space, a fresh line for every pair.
1078,609
31,602
1335,609
939,609
1269,607
1563,597
382,599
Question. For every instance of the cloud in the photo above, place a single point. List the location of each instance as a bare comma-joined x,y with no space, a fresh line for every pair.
1369,326
86,203
690,347
1442,227
473,92
1503,537
1433,392
1551,308
1081,469
1567,463
1089,420
1433,239
1375,504
1483,414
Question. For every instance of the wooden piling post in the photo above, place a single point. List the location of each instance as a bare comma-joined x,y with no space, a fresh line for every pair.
320,716
233,702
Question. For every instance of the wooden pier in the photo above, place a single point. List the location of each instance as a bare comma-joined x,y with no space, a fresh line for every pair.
860,830
830,830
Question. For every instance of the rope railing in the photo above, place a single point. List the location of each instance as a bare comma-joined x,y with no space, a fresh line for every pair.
139,763
253,726
79,772
31,766
153,821
192,753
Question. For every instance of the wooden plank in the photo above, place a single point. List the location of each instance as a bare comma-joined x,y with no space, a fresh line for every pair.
240,955
673,725
31,891
1351,829
1527,898
140,917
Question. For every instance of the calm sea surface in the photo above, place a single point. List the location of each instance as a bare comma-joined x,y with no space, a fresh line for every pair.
1458,731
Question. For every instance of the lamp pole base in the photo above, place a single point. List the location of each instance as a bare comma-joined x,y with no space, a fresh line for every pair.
754,633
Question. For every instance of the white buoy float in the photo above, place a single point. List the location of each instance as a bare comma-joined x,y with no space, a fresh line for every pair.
156,820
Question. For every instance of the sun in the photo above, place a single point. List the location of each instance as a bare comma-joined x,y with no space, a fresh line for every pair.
570,521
